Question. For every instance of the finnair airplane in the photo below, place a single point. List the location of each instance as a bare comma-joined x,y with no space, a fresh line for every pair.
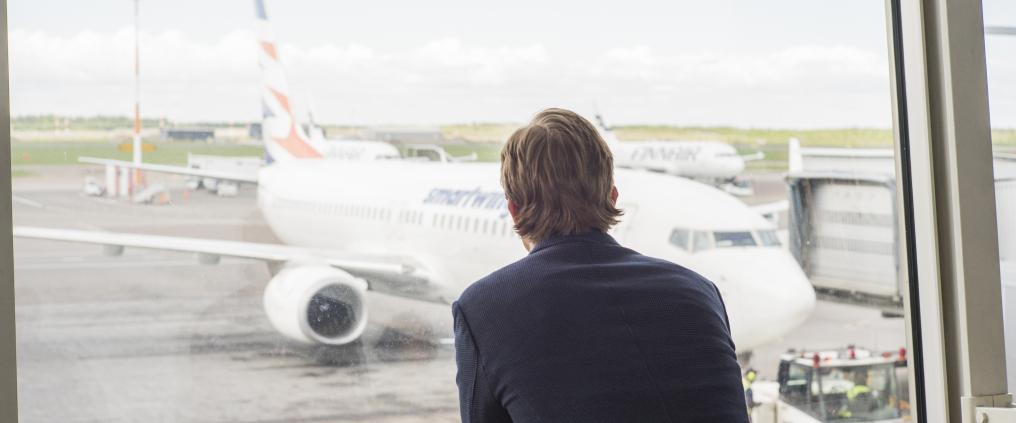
393,243
711,162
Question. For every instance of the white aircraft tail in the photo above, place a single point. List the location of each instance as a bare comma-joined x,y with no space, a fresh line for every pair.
606,131
284,137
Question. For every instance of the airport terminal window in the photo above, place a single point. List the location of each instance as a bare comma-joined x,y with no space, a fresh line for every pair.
152,335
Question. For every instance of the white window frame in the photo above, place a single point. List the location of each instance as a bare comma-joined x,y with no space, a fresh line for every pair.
959,372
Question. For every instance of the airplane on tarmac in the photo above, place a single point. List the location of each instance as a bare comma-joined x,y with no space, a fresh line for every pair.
712,162
394,242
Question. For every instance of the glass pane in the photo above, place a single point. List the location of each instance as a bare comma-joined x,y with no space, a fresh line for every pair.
679,238
703,241
734,239
769,238
1000,45
333,190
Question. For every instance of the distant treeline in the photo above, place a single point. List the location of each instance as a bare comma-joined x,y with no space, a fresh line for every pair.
102,122
498,132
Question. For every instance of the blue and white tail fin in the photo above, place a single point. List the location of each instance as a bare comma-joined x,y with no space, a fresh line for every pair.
284,137
606,131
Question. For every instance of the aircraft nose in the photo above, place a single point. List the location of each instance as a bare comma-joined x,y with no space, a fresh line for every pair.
766,300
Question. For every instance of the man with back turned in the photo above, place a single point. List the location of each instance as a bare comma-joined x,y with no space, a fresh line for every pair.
583,329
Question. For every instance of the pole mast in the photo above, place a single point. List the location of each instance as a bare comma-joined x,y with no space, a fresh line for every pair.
137,101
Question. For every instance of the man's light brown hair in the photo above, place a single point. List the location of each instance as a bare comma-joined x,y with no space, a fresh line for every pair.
559,174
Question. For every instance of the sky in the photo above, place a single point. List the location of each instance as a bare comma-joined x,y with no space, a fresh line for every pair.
745,63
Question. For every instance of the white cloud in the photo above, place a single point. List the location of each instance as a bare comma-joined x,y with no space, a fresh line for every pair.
449,80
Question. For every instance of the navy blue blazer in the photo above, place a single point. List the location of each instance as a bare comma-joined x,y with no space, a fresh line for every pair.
585,330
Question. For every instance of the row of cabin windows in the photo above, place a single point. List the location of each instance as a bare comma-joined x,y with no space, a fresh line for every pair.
498,227
348,210
494,227
411,216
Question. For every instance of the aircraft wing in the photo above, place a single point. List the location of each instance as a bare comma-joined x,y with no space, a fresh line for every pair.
179,170
392,275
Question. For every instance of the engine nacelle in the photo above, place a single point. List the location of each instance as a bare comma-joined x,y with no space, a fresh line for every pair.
317,304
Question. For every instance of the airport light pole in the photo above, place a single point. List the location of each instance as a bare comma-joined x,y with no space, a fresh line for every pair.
136,146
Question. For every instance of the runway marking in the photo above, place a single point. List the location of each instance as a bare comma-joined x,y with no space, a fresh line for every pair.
27,202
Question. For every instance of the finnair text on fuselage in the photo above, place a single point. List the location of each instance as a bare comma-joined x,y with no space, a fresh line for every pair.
671,153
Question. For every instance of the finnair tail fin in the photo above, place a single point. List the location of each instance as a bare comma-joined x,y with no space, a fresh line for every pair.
606,131
284,137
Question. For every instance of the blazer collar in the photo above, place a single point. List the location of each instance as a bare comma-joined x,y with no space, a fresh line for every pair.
593,237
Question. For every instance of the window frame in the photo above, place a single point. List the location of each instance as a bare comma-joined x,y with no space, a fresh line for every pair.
953,305
8,339
943,157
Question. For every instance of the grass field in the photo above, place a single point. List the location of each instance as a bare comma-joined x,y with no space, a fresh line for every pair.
54,153
485,140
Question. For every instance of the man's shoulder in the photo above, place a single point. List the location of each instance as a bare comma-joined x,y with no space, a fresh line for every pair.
497,282
529,270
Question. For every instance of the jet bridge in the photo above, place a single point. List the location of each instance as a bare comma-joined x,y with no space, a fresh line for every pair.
844,217
843,234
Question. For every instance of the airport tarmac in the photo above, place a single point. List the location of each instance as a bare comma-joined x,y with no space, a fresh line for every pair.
155,336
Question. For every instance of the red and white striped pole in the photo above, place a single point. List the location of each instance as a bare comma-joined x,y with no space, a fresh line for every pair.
136,180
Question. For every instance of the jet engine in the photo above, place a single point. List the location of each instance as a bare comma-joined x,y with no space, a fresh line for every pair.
317,304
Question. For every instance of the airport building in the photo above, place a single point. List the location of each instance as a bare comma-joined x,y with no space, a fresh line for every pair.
867,275
403,134
188,134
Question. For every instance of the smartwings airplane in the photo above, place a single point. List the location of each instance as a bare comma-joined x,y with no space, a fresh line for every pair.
394,242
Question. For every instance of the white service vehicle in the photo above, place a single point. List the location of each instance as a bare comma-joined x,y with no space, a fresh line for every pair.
848,385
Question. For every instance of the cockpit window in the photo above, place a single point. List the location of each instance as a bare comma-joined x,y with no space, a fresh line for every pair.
706,240
768,238
703,241
734,239
680,237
